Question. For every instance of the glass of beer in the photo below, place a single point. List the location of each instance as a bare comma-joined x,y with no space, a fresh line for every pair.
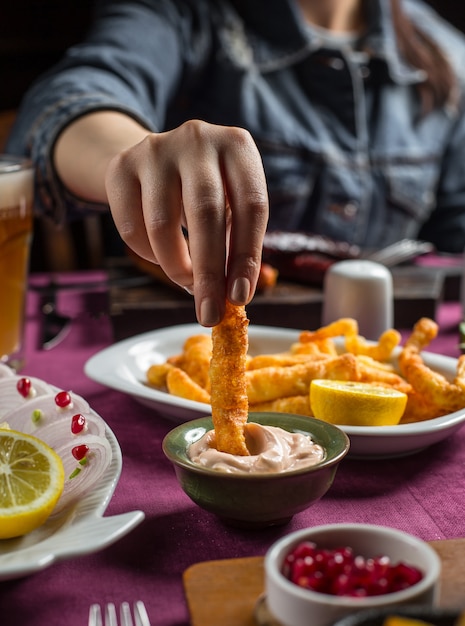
16,225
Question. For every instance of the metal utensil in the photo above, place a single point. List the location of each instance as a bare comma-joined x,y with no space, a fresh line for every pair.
110,615
55,326
399,252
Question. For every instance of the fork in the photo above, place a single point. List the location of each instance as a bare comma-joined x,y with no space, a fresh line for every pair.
111,618
399,252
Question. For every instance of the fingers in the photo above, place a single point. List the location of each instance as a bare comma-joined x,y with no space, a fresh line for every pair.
208,179
204,208
144,194
247,195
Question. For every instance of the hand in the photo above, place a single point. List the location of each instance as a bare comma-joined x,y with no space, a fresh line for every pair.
208,180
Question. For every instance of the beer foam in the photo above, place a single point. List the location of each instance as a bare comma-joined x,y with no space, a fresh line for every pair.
16,187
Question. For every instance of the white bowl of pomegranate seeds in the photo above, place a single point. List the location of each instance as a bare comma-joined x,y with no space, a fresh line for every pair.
321,574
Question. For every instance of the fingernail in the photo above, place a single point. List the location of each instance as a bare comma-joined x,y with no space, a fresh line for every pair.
209,312
190,290
240,290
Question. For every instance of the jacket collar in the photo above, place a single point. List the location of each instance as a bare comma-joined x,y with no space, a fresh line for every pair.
278,36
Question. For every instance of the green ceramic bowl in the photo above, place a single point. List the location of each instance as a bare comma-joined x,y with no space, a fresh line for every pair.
257,500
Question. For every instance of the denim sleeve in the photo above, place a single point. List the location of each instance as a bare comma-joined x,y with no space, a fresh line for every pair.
446,226
132,60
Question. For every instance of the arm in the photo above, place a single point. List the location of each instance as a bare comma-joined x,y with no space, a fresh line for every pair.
88,125
208,179
84,149
446,225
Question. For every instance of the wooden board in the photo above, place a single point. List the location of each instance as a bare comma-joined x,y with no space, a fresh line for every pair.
226,591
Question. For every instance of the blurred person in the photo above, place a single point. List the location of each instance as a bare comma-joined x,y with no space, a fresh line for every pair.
201,123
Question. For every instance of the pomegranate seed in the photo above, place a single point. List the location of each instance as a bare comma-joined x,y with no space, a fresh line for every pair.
341,585
306,548
78,423
79,452
62,399
24,387
340,572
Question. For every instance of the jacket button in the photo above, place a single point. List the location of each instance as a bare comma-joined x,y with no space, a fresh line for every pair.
364,71
336,64
348,210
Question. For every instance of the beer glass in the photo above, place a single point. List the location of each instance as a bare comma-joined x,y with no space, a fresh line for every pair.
16,225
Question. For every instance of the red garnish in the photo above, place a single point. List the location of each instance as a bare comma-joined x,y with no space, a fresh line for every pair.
79,452
78,423
339,572
24,386
62,399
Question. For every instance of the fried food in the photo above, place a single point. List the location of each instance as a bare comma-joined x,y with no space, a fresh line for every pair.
315,347
381,351
431,386
419,409
373,372
179,383
298,405
157,373
229,401
195,359
341,327
285,359
271,383
281,381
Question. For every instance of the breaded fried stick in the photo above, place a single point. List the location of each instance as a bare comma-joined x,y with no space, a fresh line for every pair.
229,402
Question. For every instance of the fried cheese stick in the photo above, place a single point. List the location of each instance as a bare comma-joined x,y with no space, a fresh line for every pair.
299,405
229,402
195,359
270,383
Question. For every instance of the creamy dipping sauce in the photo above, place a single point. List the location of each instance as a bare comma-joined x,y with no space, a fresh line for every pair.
272,450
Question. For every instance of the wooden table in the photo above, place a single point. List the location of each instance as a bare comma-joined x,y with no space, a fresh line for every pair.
418,291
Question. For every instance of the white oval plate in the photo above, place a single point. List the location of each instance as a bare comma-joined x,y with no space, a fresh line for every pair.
78,529
123,366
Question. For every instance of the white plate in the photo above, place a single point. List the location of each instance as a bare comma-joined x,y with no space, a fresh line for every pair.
79,529
123,366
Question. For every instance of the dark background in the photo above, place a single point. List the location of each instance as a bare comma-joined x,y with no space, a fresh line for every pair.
33,36
34,33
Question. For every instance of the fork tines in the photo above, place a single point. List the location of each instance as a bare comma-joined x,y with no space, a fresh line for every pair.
125,617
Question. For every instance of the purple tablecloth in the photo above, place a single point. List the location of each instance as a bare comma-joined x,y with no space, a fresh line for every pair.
421,494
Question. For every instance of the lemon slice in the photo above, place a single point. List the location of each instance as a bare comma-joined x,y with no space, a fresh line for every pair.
356,404
31,482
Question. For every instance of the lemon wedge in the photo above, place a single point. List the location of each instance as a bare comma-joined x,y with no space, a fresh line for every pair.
31,482
399,620
356,404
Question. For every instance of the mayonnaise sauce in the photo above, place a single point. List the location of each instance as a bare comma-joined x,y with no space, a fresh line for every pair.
272,450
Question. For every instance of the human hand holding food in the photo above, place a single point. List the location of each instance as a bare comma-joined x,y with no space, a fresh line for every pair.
208,180
203,178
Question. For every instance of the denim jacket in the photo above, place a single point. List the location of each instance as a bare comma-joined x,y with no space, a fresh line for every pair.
345,151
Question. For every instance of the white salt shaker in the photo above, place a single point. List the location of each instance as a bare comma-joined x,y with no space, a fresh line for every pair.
361,290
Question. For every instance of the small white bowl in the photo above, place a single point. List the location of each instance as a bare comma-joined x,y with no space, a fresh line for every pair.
293,605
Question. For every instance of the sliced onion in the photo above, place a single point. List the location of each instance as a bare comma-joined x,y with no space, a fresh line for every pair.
39,415
59,432
10,398
81,478
6,371
41,411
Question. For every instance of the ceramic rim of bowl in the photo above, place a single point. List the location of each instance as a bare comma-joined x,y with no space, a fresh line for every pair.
275,556
336,446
